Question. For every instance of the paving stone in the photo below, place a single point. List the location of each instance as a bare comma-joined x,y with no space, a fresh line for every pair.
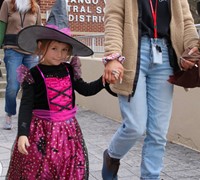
180,163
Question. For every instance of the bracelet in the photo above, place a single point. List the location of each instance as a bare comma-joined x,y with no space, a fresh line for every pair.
111,57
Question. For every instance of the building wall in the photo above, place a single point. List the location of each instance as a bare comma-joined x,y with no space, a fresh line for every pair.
185,122
85,16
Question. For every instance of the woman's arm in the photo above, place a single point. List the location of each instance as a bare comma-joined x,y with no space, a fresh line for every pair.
39,18
3,21
114,32
114,26
2,32
191,37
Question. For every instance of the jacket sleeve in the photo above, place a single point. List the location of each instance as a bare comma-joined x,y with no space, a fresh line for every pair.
190,32
85,88
92,88
114,24
4,12
25,109
2,32
3,21
88,89
39,18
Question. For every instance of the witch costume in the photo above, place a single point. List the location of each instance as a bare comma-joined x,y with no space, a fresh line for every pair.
47,113
47,117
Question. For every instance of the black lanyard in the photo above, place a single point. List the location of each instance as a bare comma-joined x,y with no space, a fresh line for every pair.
154,16
22,18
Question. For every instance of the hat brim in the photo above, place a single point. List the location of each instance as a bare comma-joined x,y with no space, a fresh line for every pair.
28,37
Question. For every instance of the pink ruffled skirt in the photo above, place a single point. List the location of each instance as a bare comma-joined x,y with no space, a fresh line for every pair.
57,151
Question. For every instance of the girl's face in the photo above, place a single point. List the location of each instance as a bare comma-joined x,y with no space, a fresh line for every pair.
56,53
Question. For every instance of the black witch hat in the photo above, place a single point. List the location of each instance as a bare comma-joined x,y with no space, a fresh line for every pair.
55,29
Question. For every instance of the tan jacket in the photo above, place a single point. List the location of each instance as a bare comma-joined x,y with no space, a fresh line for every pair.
122,35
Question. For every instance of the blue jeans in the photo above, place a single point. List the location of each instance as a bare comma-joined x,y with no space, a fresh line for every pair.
149,112
12,60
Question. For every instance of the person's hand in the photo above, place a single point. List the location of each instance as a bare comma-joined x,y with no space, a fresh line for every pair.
186,64
22,144
194,49
113,72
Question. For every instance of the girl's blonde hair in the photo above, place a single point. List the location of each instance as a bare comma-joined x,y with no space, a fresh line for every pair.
32,10
42,49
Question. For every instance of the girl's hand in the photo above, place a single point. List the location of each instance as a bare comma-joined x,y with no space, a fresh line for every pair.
22,144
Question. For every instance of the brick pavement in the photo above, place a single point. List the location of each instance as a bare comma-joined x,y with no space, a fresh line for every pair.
180,163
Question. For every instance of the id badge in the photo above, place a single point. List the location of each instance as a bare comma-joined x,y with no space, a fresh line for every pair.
157,54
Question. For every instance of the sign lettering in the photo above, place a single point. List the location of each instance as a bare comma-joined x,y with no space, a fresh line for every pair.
86,10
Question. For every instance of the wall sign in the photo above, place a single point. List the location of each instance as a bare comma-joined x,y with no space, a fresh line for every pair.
86,10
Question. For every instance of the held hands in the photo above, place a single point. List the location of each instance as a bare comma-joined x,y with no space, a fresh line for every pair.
23,143
113,72
186,64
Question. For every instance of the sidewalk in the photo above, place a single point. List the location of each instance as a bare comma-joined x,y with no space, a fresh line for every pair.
179,164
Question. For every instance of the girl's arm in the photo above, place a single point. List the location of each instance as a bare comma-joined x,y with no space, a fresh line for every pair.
91,88
25,110
88,89
82,87
24,117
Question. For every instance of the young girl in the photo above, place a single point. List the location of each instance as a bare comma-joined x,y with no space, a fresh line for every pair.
50,144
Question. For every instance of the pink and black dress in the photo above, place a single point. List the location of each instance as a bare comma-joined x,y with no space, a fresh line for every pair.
47,117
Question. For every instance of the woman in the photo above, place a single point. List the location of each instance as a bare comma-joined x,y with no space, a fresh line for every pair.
14,16
146,32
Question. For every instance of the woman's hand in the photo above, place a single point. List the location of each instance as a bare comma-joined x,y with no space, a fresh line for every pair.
194,49
113,72
186,64
22,144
